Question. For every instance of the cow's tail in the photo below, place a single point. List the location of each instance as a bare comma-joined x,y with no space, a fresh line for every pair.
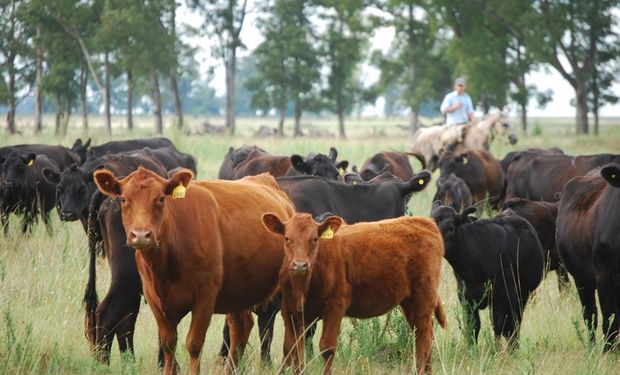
418,156
440,314
91,301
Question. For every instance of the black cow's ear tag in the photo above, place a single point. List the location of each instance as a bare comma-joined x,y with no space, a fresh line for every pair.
421,182
179,191
30,162
464,160
328,233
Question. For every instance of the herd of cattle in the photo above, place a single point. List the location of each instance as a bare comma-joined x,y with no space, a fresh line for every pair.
304,236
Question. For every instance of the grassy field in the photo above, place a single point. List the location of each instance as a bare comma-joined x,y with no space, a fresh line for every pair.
42,277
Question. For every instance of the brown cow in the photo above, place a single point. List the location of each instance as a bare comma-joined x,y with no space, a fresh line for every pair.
397,163
363,272
201,248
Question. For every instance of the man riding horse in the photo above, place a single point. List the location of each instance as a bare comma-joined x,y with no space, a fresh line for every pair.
459,110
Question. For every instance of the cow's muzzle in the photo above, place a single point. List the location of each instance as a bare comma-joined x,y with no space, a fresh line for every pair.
141,238
299,267
512,138
68,216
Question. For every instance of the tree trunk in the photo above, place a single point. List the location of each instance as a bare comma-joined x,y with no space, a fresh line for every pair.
58,114
159,125
67,116
230,91
10,113
581,93
38,102
413,120
297,125
83,82
108,121
281,121
524,116
129,100
595,100
340,110
178,110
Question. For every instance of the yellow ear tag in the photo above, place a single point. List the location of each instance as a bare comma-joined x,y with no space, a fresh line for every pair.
613,176
341,171
179,191
30,163
421,182
328,233
464,160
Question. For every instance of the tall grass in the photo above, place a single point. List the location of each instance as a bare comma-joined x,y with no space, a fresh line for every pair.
42,279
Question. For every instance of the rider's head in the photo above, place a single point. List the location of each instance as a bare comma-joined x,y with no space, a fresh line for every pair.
459,85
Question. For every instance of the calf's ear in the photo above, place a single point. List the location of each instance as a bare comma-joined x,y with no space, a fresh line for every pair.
342,166
107,183
300,165
329,227
51,176
87,144
180,180
30,159
333,154
418,182
611,174
273,224
435,207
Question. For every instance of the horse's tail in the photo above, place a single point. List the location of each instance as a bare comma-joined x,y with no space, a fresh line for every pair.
91,301
418,156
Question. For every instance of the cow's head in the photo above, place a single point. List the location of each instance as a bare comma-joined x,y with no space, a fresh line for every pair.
406,188
74,187
301,239
320,165
16,169
448,220
81,148
611,174
453,191
144,196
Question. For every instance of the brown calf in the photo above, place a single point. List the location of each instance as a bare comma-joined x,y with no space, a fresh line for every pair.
201,248
363,272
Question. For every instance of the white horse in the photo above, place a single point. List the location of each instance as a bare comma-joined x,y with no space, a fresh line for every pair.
429,141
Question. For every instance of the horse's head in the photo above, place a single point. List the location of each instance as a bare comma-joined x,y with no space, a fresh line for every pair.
502,127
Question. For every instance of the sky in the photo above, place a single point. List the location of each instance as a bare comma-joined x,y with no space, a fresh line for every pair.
545,78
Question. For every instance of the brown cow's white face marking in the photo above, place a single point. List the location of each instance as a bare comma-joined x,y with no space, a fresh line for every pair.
143,199
301,239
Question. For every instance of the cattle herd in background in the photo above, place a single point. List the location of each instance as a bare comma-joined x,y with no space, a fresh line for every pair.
330,242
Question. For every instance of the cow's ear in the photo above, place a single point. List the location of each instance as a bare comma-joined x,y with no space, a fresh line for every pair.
611,173
329,227
333,154
273,224
107,183
418,182
300,165
51,176
87,144
342,166
435,207
465,218
177,184
30,159
462,159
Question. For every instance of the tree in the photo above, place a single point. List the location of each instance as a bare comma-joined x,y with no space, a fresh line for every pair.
563,34
415,65
343,40
286,62
224,19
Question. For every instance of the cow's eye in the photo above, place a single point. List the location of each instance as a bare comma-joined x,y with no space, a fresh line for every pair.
161,200
315,239
286,238
123,200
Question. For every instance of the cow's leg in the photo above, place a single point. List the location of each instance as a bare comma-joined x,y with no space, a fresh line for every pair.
310,332
506,317
608,298
266,320
471,318
563,278
293,341
168,337
224,349
201,317
588,302
240,325
418,312
332,318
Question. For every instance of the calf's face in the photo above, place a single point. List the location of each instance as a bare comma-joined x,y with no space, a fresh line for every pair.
448,220
143,199
73,191
15,169
301,238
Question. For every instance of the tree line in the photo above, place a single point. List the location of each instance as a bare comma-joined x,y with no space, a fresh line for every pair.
130,55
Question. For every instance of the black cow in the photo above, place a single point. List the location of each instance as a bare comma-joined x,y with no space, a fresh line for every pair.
318,165
76,186
453,191
384,197
542,216
62,156
113,147
169,157
588,240
116,315
516,155
25,190
541,177
497,261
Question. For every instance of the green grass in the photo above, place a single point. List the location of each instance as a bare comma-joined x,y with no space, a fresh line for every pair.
42,278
